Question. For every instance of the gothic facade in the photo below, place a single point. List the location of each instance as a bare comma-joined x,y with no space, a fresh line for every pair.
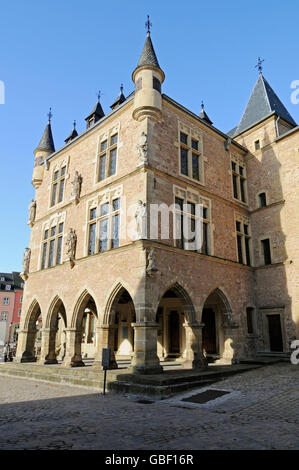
101,273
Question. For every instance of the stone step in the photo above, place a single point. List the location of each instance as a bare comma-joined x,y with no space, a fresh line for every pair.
156,391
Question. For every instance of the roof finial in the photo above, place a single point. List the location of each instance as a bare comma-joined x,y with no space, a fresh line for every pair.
74,124
259,65
50,115
202,105
99,95
121,87
148,25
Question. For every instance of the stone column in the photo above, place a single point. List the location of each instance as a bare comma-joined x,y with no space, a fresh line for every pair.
73,357
61,354
194,355
105,339
48,355
25,348
145,359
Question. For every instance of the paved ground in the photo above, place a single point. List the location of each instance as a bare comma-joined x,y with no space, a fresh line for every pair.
261,412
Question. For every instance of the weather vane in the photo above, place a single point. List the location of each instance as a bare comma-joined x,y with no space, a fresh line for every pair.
259,65
50,115
148,25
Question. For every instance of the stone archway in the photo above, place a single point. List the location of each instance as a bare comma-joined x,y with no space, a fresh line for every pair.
117,331
29,340
81,334
179,334
219,328
53,343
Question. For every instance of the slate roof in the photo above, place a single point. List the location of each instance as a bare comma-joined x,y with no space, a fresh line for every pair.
148,55
72,135
119,100
203,115
97,110
262,102
13,279
47,142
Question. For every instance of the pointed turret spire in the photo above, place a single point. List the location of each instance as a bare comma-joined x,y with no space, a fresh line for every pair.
120,99
203,115
96,114
72,135
262,103
47,143
148,56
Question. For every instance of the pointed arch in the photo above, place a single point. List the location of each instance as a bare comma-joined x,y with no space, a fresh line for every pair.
113,299
32,315
81,304
56,306
186,300
226,306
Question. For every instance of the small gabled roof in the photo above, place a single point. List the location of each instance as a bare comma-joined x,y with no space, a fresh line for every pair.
72,135
97,111
47,142
120,99
262,103
203,115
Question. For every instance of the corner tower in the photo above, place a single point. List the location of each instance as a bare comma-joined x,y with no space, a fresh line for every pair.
42,151
148,77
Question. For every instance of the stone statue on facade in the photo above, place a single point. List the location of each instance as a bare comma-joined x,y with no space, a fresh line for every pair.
76,190
140,219
26,262
32,213
142,148
151,262
71,242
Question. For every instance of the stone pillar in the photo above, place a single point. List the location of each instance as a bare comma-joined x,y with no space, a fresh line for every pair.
73,357
25,348
145,359
48,355
105,339
194,355
61,354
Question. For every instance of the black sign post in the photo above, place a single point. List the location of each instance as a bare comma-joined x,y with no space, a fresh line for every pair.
105,364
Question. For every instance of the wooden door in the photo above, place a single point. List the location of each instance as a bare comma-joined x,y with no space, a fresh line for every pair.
209,331
174,332
275,334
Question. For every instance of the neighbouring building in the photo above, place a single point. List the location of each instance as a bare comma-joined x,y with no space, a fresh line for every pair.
11,296
101,273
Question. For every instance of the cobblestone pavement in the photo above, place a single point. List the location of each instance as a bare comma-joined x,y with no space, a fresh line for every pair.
261,412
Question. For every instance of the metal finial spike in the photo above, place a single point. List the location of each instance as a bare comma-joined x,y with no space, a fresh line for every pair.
202,105
99,95
121,87
148,25
50,115
259,64
74,124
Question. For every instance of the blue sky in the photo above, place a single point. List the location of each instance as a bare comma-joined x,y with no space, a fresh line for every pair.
60,53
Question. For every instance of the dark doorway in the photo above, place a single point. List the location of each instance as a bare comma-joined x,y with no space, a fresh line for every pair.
275,334
209,331
174,332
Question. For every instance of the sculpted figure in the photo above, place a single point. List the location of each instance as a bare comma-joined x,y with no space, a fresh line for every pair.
142,147
77,182
151,266
140,219
71,242
26,260
32,212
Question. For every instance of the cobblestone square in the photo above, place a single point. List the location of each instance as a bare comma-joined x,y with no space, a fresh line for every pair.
262,412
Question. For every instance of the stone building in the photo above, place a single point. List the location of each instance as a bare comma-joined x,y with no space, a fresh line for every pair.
11,296
102,271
